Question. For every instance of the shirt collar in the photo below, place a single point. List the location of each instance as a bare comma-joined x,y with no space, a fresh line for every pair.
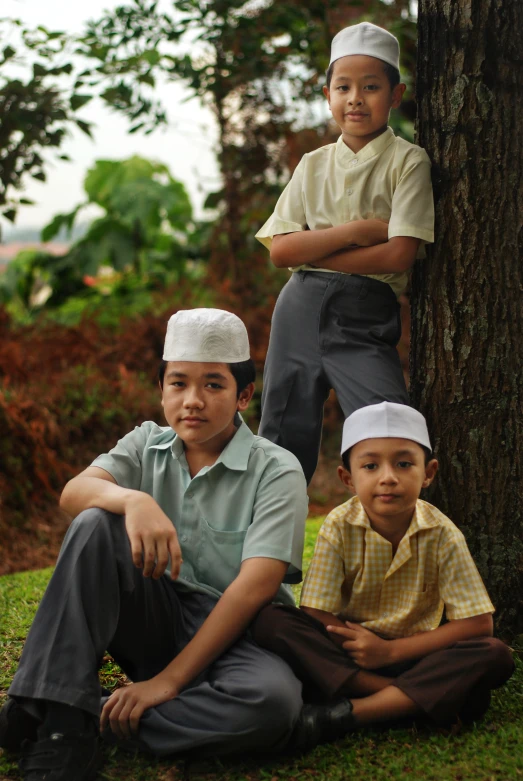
235,454
345,156
425,517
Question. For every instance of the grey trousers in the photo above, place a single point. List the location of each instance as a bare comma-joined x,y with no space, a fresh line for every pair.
97,600
328,331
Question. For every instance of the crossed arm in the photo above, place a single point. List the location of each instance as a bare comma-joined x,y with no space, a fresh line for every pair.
357,247
153,539
370,651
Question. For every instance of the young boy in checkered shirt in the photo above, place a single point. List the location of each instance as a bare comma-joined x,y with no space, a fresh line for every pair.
367,642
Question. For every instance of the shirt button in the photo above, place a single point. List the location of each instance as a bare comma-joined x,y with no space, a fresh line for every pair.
354,161
189,494
184,538
350,191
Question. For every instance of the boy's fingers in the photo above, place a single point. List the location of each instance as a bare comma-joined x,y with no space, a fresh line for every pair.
149,556
136,550
162,559
176,557
340,630
104,718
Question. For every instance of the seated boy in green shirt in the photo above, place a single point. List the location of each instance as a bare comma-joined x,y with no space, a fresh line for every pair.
368,640
182,533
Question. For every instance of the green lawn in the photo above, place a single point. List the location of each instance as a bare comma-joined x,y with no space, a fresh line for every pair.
488,752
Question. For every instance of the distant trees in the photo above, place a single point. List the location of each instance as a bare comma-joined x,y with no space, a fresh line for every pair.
142,240
259,66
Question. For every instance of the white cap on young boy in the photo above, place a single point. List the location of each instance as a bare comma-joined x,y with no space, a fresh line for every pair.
385,420
206,335
366,38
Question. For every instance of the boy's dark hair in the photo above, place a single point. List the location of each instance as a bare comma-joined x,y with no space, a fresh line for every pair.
391,72
243,372
345,459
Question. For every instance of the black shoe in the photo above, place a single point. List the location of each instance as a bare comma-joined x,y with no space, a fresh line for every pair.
322,724
72,757
16,725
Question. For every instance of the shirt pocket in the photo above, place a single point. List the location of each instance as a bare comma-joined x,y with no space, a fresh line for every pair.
415,609
220,555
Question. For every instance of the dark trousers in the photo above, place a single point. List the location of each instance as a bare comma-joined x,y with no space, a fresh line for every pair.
445,684
328,331
97,600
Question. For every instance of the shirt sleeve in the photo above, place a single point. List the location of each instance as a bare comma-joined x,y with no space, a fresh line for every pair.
322,588
278,525
460,584
412,211
289,213
124,461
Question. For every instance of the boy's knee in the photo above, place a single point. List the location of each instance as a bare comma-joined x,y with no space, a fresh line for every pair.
281,704
93,525
499,658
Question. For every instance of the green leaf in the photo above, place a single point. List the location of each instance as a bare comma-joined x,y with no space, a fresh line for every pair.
152,56
77,101
8,53
147,78
58,222
85,127
10,215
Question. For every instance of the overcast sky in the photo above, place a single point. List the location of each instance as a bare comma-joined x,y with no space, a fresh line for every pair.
186,145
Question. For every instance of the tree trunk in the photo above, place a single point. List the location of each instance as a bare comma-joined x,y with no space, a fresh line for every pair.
467,320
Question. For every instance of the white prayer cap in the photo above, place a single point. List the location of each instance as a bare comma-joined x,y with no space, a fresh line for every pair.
385,420
206,335
366,38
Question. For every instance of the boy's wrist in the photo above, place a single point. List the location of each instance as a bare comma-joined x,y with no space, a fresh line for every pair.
393,651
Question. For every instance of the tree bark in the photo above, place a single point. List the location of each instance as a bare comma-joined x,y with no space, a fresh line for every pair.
467,319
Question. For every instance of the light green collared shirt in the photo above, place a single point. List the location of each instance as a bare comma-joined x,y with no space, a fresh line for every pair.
252,502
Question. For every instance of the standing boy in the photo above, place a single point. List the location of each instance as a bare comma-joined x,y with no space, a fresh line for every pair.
368,639
349,225
182,534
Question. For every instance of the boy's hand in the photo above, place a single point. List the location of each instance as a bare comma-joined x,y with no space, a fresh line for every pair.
367,649
153,537
367,233
125,707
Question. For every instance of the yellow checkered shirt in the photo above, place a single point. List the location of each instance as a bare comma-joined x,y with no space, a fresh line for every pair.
353,573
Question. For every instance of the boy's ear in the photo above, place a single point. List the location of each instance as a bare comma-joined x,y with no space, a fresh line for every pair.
327,93
397,95
161,390
430,472
245,397
346,479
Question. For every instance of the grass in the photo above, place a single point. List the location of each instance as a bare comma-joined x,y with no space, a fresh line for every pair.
489,751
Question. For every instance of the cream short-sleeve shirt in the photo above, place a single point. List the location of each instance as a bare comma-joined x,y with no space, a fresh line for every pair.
355,575
388,179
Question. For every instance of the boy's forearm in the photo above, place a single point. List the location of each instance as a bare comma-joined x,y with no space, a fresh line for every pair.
296,249
425,643
392,257
233,613
84,492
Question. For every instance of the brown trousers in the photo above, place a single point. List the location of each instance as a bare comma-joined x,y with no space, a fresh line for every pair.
445,684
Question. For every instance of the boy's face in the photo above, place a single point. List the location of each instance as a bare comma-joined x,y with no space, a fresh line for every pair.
388,474
360,98
199,402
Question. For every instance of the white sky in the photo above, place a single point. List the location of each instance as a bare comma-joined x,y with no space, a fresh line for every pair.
186,145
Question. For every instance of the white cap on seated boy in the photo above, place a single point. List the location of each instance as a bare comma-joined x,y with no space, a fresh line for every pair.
386,419
207,336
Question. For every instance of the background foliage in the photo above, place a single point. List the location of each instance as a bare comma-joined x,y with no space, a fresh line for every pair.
81,334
